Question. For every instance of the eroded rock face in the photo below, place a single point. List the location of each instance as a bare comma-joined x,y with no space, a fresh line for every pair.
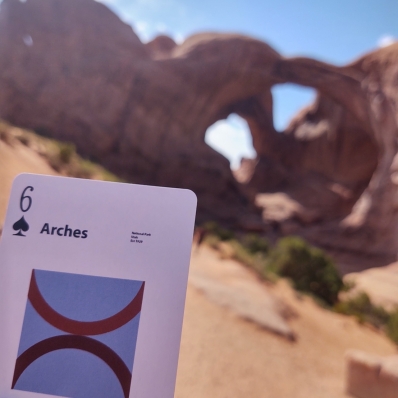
72,70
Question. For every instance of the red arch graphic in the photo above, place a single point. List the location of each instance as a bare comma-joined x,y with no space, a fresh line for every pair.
78,327
83,343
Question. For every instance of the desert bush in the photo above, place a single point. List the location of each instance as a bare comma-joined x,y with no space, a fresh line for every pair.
243,255
255,244
221,233
252,250
309,268
392,326
60,155
212,240
364,310
66,152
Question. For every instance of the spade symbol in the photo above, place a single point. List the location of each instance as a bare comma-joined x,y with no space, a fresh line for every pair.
21,225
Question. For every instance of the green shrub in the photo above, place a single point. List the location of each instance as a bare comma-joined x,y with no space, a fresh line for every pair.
364,310
255,244
213,228
212,241
245,256
392,326
252,250
66,152
309,268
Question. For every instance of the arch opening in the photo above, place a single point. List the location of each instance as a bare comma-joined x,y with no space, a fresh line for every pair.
288,100
231,137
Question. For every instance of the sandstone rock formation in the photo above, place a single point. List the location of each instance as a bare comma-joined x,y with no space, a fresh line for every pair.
72,70
381,284
370,376
161,47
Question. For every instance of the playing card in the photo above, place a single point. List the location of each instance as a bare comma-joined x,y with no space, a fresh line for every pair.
93,278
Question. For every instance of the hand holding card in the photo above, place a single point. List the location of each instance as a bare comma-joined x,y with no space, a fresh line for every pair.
93,279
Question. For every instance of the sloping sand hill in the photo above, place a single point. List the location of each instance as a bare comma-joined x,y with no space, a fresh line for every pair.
16,158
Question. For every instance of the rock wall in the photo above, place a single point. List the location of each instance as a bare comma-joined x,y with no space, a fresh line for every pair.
72,70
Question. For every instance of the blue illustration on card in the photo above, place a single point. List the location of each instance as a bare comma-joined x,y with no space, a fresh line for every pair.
79,335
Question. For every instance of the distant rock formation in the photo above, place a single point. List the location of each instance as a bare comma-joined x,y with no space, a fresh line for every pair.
161,47
72,70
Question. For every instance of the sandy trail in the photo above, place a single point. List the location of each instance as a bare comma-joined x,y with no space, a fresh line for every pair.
224,356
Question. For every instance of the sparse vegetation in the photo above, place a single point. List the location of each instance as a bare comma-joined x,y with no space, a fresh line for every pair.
309,268
249,249
61,156
253,251
64,159
392,326
66,152
256,260
213,228
364,310
255,244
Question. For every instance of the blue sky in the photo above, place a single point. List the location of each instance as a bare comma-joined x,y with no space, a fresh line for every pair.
334,31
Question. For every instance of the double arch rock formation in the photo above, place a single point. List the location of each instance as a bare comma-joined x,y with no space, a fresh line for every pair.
73,71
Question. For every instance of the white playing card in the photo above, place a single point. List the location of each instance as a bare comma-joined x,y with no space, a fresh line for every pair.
93,278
